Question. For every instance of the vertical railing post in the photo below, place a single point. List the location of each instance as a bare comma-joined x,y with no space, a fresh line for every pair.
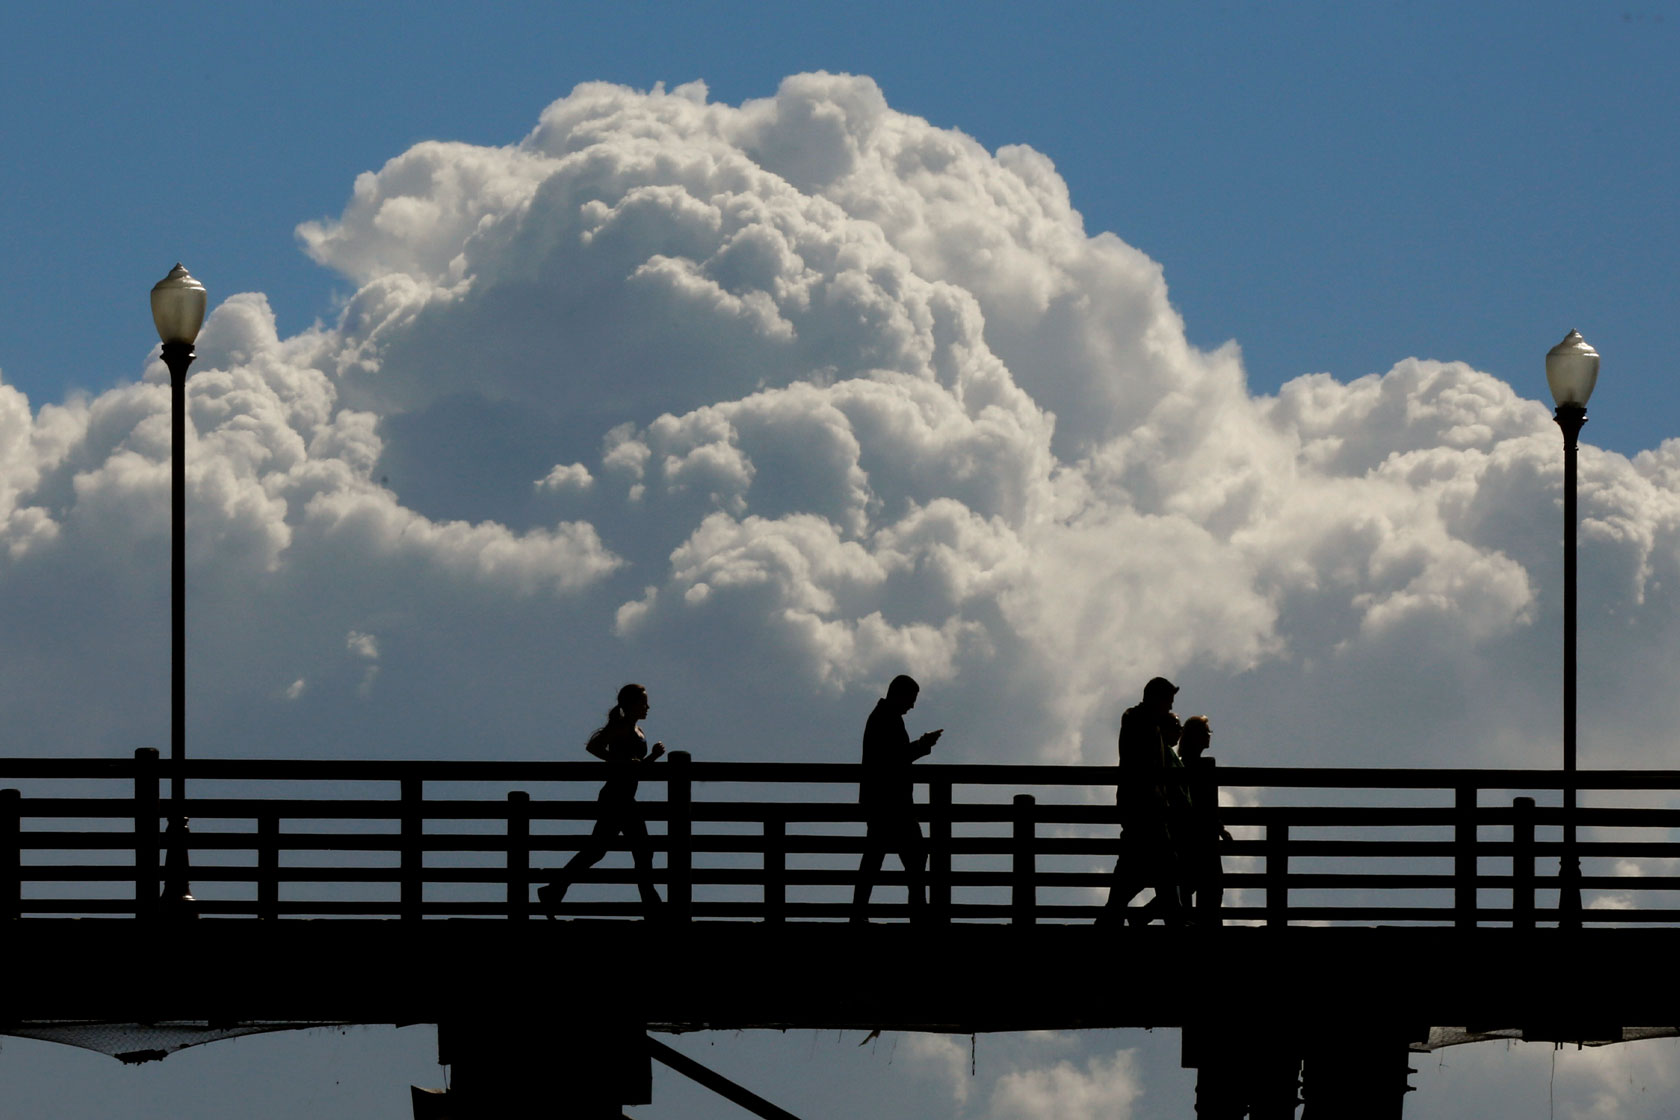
1023,895
939,849
11,854
1277,873
518,855
775,867
1522,863
268,865
413,854
1464,857
679,852
146,881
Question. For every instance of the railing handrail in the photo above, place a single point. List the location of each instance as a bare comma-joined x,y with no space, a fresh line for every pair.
988,773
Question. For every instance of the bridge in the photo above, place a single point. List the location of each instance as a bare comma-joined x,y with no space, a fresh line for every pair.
1362,909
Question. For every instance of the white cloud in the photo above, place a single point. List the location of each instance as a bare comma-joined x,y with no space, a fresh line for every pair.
1626,1081
1104,1088
364,646
944,1058
569,478
1029,1074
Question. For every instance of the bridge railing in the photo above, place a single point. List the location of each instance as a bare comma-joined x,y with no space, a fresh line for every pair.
782,842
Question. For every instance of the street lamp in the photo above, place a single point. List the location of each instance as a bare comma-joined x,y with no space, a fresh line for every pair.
178,311
1571,371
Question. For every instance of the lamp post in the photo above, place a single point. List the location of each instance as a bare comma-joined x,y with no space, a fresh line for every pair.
1571,371
178,311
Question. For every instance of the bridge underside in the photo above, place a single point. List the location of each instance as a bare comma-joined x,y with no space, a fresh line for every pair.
1567,985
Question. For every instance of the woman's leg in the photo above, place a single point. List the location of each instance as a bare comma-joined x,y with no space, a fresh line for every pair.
641,850
606,827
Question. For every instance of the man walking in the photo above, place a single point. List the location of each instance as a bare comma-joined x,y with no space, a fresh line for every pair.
1146,794
886,797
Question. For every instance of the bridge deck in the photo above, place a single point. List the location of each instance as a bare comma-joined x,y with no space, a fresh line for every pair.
727,975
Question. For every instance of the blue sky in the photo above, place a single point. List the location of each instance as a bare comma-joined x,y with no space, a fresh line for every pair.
1334,186
1337,188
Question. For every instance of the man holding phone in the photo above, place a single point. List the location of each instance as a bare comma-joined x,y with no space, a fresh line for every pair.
886,797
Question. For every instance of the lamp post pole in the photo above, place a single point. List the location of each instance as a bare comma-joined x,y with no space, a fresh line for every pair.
1571,371
178,303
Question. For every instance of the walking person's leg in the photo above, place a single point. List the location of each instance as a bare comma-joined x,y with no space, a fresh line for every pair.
641,850
1126,882
1165,878
869,867
606,827
913,853
1210,890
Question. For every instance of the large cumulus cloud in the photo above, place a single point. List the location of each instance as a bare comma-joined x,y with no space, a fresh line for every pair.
766,403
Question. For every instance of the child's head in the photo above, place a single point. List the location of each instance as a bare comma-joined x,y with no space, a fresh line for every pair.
1195,738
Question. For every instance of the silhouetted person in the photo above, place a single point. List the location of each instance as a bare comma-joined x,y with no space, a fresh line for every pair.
620,744
885,795
1148,790
1197,830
